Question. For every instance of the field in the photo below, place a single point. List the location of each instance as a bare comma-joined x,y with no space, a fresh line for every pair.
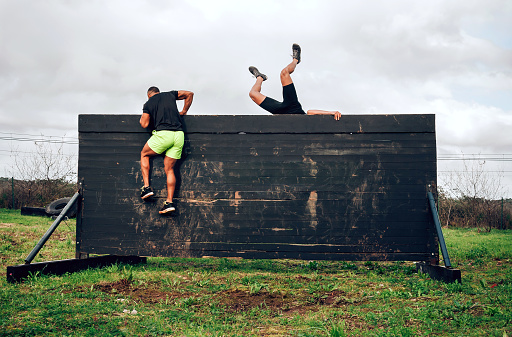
228,297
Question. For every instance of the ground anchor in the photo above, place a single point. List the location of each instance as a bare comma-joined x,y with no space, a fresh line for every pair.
440,273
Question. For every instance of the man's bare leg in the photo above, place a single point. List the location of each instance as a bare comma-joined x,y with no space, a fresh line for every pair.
145,154
255,92
171,177
286,79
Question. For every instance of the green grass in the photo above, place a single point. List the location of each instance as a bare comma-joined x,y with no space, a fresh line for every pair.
473,244
227,297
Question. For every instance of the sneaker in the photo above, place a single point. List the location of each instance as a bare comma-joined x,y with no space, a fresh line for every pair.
257,73
296,52
168,207
146,192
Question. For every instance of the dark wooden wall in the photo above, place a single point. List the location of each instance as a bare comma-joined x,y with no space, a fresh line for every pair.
305,187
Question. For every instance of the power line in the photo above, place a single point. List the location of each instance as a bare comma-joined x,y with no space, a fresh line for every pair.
33,152
25,137
40,140
31,156
478,159
40,135
487,171
475,156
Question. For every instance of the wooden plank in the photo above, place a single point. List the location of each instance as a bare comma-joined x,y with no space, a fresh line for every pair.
276,139
249,212
366,228
197,170
272,152
353,159
274,235
351,188
269,124
187,253
263,142
268,199
267,237
273,247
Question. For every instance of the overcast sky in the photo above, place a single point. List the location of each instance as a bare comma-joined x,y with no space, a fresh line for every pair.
59,59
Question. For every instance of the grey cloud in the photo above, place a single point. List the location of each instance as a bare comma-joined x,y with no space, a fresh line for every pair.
59,59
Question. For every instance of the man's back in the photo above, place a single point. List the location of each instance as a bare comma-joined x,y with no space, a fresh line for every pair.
164,112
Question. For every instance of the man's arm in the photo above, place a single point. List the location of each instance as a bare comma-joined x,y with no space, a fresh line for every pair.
188,96
336,114
144,120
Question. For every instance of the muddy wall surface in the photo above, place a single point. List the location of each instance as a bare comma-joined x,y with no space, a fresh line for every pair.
305,187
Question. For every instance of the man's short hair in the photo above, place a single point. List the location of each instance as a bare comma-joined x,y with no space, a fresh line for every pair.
154,89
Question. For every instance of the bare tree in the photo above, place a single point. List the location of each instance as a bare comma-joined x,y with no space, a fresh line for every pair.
46,175
470,195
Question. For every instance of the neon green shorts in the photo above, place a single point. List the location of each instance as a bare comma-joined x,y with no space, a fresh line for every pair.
170,142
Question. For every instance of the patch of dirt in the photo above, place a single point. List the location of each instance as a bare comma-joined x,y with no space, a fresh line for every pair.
232,300
146,293
238,300
6,225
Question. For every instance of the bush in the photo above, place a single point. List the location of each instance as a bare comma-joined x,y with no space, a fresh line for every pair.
35,193
466,212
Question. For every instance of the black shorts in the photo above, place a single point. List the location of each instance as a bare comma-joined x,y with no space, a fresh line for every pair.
289,105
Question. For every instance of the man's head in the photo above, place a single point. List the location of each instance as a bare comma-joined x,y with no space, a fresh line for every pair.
153,91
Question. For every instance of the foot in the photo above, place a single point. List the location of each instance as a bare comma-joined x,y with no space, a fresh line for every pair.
257,73
168,207
296,52
146,192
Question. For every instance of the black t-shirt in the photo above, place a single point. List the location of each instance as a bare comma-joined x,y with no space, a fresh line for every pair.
164,112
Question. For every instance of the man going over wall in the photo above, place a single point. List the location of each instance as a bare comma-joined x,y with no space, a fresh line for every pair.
290,103
161,112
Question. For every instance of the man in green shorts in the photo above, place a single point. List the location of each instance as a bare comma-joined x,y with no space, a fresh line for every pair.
161,112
